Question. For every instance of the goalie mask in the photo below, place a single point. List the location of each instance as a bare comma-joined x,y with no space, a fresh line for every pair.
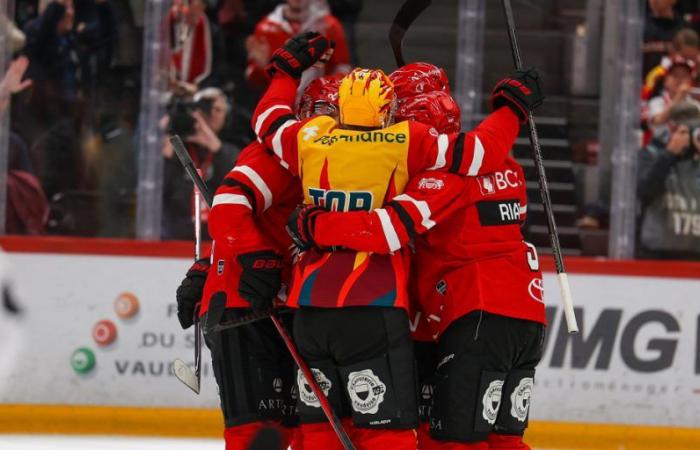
418,78
320,97
437,109
367,99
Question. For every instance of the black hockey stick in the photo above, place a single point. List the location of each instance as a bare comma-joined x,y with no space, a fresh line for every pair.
407,14
544,189
333,419
183,372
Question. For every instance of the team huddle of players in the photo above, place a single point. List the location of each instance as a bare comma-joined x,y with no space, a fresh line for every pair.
418,305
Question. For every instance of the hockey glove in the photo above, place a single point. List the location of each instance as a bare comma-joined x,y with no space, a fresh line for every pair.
300,226
298,54
521,92
261,278
190,292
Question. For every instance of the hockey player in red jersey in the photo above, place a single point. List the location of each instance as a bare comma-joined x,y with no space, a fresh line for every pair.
362,356
288,19
477,283
253,368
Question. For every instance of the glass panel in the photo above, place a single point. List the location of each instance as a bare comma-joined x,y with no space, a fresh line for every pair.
72,148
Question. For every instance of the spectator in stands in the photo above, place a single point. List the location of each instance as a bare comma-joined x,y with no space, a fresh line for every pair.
668,189
210,153
677,87
27,208
96,35
287,20
661,23
196,48
685,44
53,55
12,82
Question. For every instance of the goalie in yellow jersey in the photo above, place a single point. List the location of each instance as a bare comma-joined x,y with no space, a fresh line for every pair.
352,327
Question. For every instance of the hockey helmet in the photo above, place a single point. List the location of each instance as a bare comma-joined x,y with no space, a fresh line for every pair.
366,98
437,109
417,78
320,97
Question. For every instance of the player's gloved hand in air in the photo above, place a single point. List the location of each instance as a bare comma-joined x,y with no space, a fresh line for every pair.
521,92
300,226
261,278
190,291
299,53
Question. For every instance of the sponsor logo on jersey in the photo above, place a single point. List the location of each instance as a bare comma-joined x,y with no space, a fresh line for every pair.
366,391
499,181
520,399
431,184
492,401
487,185
310,132
500,212
277,385
441,287
306,394
369,136
536,289
427,391
220,267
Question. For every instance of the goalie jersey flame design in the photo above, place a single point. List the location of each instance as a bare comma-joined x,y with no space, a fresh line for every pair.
346,170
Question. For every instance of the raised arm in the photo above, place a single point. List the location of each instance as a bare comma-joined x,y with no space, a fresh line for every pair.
483,149
274,121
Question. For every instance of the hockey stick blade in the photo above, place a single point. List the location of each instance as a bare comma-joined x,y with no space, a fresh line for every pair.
407,14
186,375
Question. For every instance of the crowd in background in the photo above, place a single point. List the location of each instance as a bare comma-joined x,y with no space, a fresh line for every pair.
668,175
73,135
74,126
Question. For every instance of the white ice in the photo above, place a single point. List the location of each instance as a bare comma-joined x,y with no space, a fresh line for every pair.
59,442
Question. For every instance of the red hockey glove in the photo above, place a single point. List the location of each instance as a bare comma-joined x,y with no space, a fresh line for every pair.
300,226
190,291
521,92
298,54
261,278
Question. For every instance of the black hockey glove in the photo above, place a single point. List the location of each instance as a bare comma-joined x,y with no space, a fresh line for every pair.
521,92
261,278
298,54
190,291
300,226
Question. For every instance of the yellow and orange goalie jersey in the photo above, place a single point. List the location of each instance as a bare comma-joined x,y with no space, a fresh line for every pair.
347,170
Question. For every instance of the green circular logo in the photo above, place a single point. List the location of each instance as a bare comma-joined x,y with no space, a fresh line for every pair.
82,360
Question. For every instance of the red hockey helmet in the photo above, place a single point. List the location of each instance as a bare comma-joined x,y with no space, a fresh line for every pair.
418,78
320,97
437,109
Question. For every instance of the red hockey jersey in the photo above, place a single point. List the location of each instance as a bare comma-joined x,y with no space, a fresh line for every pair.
276,30
249,213
474,256
347,170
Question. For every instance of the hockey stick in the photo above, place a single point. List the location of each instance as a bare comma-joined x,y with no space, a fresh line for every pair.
407,14
183,372
333,419
248,319
544,189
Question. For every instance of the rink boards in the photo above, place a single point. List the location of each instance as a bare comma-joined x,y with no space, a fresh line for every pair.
636,363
